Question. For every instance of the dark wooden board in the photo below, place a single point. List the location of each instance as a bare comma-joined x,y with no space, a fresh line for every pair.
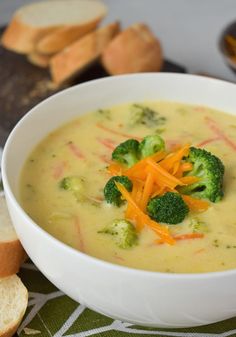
23,85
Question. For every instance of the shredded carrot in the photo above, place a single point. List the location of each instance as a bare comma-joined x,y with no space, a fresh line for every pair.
188,180
143,162
128,212
189,236
163,174
159,229
199,251
76,151
196,205
115,132
108,143
59,169
169,161
115,169
147,191
219,133
207,141
186,167
104,158
81,245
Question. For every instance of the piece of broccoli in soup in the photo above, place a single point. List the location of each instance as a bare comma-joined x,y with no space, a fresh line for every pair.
112,194
127,153
123,232
169,208
210,170
150,145
76,185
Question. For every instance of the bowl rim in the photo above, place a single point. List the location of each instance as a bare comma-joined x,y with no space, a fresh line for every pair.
71,250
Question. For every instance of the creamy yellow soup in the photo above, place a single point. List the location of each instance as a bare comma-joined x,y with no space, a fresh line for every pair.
83,147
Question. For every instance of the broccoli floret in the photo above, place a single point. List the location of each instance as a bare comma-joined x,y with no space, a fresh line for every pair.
198,226
150,145
123,232
111,192
143,115
76,185
169,208
210,170
127,153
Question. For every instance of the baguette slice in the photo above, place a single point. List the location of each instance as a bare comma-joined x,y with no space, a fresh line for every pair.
82,53
13,304
39,60
33,22
134,50
12,253
63,37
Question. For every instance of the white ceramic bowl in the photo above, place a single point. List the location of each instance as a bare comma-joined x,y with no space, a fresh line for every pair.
141,297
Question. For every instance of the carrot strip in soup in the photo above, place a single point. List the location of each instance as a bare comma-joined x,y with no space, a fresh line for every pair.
189,236
160,230
216,129
107,143
115,169
169,161
196,205
115,132
161,172
143,162
76,151
207,141
188,180
147,191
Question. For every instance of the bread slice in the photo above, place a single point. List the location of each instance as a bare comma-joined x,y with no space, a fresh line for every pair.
33,22
39,60
13,304
12,253
134,50
82,53
63,37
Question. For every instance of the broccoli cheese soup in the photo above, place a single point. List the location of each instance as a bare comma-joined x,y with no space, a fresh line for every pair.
149,186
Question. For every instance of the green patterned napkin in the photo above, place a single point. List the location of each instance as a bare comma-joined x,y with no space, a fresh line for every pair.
50,313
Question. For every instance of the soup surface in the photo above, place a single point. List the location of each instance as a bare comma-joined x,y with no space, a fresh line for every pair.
84,146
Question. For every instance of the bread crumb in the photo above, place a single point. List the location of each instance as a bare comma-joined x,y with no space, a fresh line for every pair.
29,331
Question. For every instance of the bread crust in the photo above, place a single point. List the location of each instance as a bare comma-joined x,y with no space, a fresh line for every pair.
39,60
56,41
12,255
81,53
134,50
22,38
11,330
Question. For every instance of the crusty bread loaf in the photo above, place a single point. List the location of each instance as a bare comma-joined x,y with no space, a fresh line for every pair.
63,37
39,60
33,22
134,50
13,304
82,53
11,252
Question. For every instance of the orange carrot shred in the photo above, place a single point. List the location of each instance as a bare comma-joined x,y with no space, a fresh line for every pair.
143,162
169,161
147,191
159,229
189,236
115,169
196,205
162,173
188,180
